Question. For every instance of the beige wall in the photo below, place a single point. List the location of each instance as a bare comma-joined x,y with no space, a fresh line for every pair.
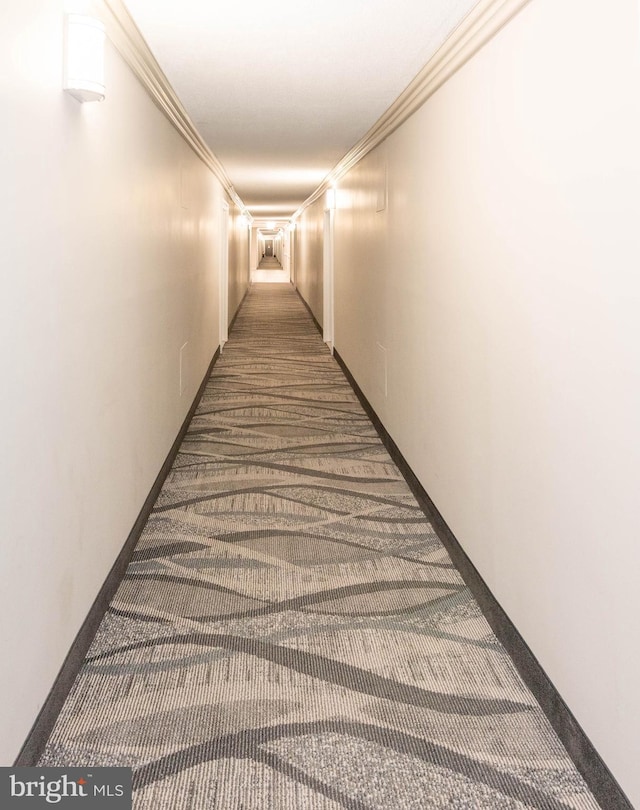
308,256
238,259
256,255
502,281
110,254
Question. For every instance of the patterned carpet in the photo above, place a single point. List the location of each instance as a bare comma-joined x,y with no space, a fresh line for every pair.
291,633
269,263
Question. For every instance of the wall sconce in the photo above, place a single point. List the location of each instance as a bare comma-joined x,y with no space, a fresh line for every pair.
330,198
84,58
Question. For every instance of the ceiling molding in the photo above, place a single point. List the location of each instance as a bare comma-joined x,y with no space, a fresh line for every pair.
476,29
132,46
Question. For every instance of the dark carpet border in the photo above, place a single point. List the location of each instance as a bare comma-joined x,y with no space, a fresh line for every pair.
595,772
44,723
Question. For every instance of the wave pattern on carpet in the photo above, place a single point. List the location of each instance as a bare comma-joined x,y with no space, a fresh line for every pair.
290,632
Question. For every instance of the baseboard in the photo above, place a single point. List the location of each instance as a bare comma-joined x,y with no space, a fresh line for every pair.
43,726
595,772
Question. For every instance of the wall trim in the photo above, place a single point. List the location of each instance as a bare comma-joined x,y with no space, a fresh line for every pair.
132,46
482,23
46,719
595,772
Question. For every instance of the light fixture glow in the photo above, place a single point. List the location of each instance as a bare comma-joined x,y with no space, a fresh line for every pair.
84,58
330,197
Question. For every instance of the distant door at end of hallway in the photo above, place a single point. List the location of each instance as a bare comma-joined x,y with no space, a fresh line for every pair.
268,247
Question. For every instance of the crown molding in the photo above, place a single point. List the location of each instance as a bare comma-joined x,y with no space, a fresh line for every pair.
127,39
482,23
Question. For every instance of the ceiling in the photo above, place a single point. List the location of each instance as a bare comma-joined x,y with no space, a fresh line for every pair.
281,90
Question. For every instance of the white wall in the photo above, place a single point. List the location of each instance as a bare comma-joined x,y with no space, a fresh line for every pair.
308,256
109,254
256,251
239,270
503,282
286,252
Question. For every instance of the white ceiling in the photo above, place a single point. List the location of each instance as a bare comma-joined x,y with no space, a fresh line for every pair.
281,90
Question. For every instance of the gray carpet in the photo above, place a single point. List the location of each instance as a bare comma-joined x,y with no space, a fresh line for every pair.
291,633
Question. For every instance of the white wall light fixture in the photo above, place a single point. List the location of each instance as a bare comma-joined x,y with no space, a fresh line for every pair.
84,58
330,198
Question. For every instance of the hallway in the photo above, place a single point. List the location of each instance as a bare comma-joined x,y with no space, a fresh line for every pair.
452,189
290,632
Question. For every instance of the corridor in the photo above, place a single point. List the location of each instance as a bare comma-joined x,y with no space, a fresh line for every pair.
290,632
396,245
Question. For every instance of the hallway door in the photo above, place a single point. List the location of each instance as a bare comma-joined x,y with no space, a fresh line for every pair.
223,292
268,248
327,279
